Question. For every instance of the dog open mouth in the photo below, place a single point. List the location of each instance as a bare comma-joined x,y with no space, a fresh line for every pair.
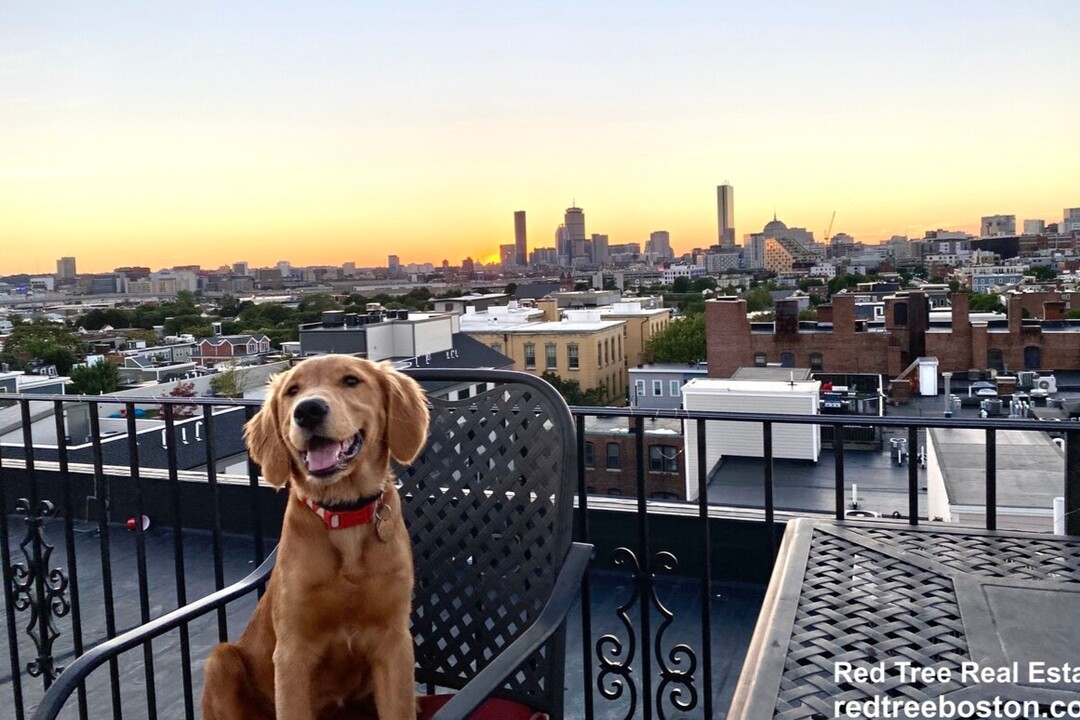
324,456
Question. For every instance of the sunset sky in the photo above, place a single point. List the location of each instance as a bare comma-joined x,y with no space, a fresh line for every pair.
161,133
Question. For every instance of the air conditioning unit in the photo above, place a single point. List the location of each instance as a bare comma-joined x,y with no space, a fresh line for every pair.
1047,383
1026,378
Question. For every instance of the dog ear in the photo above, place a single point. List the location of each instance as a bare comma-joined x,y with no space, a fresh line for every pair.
264,442
406,415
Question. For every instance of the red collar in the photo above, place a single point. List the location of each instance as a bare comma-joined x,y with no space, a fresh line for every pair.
341,519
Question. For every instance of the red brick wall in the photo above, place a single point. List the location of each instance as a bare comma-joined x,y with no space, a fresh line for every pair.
624,480
731,345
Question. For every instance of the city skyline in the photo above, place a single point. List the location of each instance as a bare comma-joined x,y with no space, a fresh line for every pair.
187,135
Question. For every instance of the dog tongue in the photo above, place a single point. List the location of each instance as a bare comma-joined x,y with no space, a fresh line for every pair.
323,454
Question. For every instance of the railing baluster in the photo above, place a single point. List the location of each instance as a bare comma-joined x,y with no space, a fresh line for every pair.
838,469
645,578
9,605
913,475
706,572
256,504
102,492
215,494
586,597
179,566
770,518
69,544
140,555
991,479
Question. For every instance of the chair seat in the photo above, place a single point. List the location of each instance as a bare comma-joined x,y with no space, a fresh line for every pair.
492,709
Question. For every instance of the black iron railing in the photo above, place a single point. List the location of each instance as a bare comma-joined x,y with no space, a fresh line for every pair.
79,566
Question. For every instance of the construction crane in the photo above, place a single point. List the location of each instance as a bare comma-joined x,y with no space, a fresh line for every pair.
828,230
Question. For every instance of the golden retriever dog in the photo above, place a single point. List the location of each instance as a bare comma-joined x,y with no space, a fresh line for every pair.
331,634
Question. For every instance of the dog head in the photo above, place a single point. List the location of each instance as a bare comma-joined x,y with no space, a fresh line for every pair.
333,423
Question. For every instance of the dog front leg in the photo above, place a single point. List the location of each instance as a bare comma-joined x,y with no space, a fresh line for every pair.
293,668
395,690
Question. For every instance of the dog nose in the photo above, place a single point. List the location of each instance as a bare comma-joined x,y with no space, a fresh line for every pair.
309,413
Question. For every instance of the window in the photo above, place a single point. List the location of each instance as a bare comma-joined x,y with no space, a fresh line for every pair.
658,388
1032,357
497,347
599,354
613,456
674,388
760,359
663,458
551,356
530,356
572,356
590,458
639,388
607,351
815,361
994,359
899,314
787,359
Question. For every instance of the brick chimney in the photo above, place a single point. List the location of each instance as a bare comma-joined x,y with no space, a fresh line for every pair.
843,313
1016,312
824,313
961,313
727,337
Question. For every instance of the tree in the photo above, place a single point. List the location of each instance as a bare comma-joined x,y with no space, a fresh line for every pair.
682,341
182,410
42,340
681,285
703,283
1044,273
985,302
101,377
230,383
572,392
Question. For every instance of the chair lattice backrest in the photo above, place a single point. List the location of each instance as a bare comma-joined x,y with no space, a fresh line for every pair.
489,506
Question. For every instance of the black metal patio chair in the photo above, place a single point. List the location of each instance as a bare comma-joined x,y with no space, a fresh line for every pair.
489,506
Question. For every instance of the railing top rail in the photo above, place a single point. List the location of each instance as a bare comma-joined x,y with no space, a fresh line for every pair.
138,399
596,411
847,420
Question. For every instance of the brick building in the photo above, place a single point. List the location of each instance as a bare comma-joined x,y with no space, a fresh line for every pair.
838,342
611,458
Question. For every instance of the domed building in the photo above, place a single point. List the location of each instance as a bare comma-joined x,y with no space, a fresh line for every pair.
797,241
774,228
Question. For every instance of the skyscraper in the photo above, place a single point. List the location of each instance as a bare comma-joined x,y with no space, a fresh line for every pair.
520,248
393,266
575,231
725,215
997,225
659,245
65,269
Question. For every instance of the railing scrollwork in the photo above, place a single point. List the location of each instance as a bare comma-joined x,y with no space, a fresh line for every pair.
676,666
39,589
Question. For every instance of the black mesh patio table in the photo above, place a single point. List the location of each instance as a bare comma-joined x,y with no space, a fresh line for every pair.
894,615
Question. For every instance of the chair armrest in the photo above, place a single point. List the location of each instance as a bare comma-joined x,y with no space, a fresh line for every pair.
551,617
65,684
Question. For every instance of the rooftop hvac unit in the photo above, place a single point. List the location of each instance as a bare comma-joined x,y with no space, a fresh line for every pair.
1047,383
861,514
1026,378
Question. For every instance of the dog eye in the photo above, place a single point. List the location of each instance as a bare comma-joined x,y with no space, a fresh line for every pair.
292,390
351,380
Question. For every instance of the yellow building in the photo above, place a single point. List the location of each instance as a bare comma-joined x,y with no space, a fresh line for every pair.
644,318
582,346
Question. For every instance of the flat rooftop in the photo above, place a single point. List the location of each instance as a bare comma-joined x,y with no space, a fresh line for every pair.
1030,467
